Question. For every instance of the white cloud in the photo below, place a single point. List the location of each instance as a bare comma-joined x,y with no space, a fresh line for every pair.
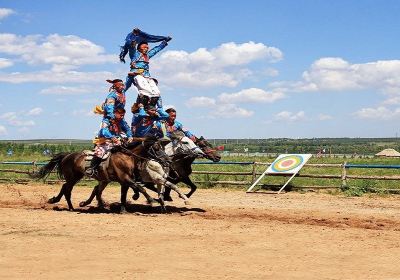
8,116
336,74
4,62
201,101
67,90
4,12
14,118
34,112
380,113
290,117
251,95
214,67
3,130
55,77
61,52
392,101
231,111
81,112
324,117
16,122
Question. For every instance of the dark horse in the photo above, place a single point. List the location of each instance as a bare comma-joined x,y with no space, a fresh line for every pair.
121,166
181,168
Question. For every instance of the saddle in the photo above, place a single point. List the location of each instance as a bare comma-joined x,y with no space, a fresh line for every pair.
89,154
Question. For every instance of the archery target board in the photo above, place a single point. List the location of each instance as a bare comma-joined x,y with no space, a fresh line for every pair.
288,163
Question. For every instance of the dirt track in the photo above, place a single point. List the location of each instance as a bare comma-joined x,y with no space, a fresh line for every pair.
223,235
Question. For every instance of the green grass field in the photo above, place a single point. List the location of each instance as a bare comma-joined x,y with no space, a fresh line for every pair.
354,186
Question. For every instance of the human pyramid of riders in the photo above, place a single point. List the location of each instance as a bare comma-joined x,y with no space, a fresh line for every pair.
149,117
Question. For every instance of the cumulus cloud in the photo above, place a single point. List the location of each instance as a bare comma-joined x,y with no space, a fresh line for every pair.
251,95
82,112
8,116
34,112
200,101
290,116
337,74
67,90
231,111
17,118
324,117
3,130
5,12
61,52
221,110
214,67
55,77
380,113
392,101
17,122
4,62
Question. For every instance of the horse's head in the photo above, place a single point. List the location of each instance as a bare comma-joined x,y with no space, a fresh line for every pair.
156,150
209,151
182,147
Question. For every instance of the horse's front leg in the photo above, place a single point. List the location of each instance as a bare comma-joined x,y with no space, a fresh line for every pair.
124,192
91,197
161,190
181,194
192,186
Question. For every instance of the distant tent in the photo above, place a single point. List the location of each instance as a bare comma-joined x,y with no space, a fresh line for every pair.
388,153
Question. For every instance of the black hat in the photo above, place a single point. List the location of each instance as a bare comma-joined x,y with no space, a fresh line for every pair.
115,81
141,43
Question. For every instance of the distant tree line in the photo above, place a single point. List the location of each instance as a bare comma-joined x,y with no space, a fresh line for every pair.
361,146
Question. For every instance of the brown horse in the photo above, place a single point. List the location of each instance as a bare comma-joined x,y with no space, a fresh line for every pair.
120,168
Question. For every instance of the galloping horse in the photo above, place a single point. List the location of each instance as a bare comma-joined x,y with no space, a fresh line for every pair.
181,167
182,153
120,168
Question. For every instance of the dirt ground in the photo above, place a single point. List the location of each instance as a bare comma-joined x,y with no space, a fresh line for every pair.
222,235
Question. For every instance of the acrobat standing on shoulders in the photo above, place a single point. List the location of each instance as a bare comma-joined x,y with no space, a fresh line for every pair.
139,74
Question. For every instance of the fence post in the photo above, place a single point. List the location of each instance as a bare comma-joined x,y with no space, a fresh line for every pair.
253,173
344,173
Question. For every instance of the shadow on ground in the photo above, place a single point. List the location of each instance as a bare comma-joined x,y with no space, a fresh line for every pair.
115,208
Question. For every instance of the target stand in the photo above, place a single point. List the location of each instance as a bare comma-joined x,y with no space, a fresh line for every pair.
284,165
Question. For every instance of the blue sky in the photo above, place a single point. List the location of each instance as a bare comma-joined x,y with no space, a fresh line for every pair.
234,69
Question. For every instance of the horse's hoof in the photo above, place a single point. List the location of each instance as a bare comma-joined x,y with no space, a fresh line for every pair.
135,196
52,200
187,202
123,210
83,204
153,203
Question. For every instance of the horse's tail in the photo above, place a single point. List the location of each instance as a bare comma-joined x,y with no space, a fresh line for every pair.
46,169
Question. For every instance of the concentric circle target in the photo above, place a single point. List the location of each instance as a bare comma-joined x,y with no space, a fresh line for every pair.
287,163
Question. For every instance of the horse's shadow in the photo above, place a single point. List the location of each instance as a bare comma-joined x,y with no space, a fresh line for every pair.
139,209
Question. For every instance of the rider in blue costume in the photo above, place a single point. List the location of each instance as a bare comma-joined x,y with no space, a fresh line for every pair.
110,134
173,125
136,43
115,99
134,38
148,123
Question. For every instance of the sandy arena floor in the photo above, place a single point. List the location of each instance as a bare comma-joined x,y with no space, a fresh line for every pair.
222,235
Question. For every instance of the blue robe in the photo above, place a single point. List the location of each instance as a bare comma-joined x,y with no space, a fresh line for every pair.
139,38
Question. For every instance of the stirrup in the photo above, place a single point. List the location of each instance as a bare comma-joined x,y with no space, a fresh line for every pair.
90,172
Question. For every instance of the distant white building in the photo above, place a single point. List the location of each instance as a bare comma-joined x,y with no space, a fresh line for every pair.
388,153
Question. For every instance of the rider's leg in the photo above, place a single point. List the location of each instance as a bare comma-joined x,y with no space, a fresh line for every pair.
128,82
94,164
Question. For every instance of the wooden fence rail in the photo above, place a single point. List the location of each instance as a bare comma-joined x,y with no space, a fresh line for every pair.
342,174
